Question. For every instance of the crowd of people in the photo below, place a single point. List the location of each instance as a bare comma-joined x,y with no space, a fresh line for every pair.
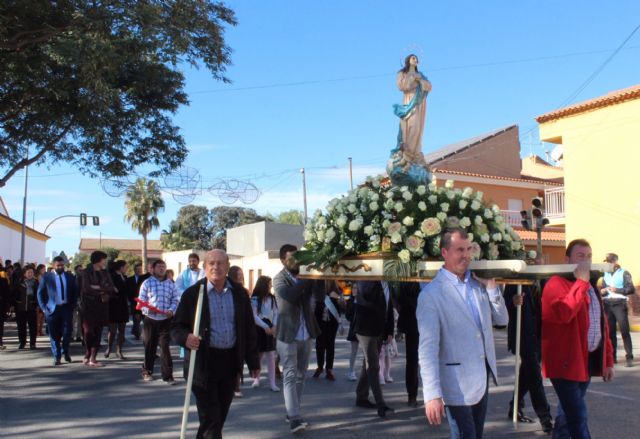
568,331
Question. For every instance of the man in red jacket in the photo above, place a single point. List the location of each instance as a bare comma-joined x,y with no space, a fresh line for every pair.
575,341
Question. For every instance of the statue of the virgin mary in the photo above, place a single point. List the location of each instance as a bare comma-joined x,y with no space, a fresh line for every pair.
406,164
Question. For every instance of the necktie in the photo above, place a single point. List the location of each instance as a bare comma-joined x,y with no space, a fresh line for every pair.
61,288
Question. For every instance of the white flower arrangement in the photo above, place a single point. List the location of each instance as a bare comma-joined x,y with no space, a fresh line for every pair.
407,221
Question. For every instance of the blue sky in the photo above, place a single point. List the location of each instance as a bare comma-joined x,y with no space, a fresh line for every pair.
314,84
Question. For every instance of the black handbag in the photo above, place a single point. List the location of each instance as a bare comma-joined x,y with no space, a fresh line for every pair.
267,321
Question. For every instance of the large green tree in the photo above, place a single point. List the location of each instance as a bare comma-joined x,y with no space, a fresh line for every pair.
226,217
95,83
143,202
190,230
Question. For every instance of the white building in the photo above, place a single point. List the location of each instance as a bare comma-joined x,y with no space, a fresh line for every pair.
256,248
11,240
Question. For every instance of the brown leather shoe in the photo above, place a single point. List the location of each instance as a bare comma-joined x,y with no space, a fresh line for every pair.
317,373
330,375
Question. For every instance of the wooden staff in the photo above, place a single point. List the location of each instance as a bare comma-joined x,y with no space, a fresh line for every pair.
517,383
192,363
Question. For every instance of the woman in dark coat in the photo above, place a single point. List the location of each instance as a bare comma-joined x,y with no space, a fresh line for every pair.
118,308
327,314
25,305
96,288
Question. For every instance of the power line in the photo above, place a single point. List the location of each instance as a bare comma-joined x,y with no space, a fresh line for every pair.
386,75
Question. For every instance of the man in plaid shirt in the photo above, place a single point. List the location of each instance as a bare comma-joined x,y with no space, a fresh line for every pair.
161,295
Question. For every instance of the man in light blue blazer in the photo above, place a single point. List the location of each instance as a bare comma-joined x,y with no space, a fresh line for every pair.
456,313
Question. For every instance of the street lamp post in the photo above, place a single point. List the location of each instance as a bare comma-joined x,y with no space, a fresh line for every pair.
24,212
304,195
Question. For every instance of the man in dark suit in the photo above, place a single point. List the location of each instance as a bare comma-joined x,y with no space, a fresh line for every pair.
406,298
226,340
133,288
374,323
57,296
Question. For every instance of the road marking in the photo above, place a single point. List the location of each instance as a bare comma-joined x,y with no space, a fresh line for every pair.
611,395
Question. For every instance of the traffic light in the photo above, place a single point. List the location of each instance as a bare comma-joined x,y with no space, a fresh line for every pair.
96,220
526,219
83,219
537,213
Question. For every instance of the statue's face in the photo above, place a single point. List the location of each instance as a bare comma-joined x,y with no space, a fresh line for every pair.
413,61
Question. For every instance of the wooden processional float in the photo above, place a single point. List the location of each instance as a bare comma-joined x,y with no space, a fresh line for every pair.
510,272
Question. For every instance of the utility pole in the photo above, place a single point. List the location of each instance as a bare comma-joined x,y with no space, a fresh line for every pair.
351,173
24,211
304,194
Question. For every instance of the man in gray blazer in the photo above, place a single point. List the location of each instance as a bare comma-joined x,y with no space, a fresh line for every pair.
296,328
456,312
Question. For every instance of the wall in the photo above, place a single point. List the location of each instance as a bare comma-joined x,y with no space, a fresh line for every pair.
35,249
179,260
265,263
601,155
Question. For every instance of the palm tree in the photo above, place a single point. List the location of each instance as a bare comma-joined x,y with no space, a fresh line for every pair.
143,201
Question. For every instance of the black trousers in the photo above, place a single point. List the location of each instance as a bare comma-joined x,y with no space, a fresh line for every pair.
326,343
530,381
411,370
214,400
369,378
157,332
617,312
22,319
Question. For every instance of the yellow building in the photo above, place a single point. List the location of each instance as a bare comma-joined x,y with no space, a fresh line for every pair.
600,148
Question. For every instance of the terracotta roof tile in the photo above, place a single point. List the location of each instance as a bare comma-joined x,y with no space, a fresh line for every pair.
498,177
530,235
615,97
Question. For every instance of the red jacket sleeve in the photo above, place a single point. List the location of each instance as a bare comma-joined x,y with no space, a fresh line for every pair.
561,300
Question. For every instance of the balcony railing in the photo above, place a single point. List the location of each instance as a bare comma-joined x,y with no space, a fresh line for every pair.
512,217
554,203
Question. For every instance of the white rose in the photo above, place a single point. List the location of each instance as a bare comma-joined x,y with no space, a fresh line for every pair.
516,245
396,237
444,207
422,206
495,209
376,184
432,187
368,230
394,227
375,197
462,204
497,236
354,225
485,237
493,253
322,220
404,188
351,208
470,236
467,192
349,245
421,190
308,235
398,206
320,235
407,196
479,195
404,255
341,221
407,221
441,216
448,184
532,254
388,204
465,222
488,214
375,240
478,220
329,234
373,206
433,199
386,223
451,195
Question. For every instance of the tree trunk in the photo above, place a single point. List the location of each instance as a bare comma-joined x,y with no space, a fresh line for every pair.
144,251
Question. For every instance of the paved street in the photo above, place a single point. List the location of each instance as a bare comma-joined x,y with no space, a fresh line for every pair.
74,401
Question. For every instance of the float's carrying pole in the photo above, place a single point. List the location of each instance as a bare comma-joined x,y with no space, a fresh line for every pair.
517,383
192,363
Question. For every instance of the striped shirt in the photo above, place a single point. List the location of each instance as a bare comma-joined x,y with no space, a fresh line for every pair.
594,335
223,317
161,294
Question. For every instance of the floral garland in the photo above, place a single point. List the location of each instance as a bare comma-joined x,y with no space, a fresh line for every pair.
407,222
